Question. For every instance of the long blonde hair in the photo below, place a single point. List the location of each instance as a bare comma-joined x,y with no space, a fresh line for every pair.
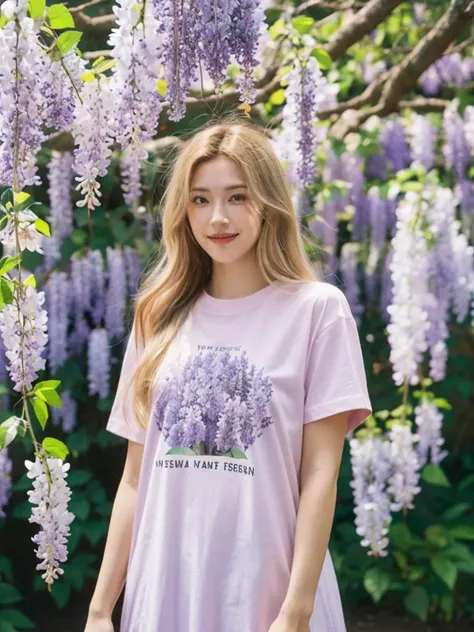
184,269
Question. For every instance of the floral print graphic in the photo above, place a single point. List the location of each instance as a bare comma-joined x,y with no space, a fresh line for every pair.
217,404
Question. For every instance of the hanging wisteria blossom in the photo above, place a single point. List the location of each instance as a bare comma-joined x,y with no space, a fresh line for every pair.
98,357
21,76
403,483
307,92
23,325
51,514
429,421
137,49
371,467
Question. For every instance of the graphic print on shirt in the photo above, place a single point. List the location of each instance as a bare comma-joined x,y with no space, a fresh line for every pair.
215,404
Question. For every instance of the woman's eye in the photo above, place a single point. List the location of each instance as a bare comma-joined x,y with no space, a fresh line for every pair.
200,197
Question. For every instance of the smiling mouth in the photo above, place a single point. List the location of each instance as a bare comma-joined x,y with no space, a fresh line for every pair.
224,239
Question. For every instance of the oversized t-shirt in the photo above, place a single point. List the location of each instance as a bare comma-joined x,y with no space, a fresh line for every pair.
218,493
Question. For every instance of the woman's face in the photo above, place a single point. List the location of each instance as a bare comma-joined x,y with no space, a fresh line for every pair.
219,205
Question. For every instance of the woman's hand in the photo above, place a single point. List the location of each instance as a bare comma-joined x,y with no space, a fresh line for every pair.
97,623
286,622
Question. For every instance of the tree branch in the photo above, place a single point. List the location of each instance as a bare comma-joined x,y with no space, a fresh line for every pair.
406,74
100,23
363,22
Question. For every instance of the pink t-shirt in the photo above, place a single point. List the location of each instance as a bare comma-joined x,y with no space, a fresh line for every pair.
213,535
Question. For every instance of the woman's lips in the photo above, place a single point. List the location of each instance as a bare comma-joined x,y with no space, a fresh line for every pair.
223,240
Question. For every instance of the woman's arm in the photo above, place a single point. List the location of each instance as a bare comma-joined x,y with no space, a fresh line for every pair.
323,443
113,569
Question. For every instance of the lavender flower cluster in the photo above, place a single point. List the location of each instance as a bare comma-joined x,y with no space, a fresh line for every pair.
215,403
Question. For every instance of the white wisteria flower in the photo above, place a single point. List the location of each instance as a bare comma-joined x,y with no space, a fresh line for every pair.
51,514
28,237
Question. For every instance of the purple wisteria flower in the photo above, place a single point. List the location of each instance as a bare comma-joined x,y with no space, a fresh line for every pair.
66,416
98,357
395,145
116,293
133,268
97,280
51,514
350,274
5,481
429,421
371,467
214,404
176,27
247,26
93,136
403,482
307,92
422,141
58,308
60,219
136,50
21,75
24,332
80,296
456,149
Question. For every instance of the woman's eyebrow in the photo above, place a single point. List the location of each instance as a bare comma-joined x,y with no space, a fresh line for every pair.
229,188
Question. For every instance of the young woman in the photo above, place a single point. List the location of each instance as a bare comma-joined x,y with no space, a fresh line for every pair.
242,375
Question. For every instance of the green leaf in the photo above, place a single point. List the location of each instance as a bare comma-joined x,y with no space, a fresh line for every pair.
88,77
463,532
66,41
55,448
417,602
400,536
6,567
277,97
303,24
7,263
78,237
47,385
437,535
376,583
161,87
96,530
41,411
434,475
80,507
180,451
105,65
9,430
6,291
42,227
51,397
455,512
445,569
60,17
78,478
36,8
235,453
9,594
61,593
17,618
5,626
30,281
323,58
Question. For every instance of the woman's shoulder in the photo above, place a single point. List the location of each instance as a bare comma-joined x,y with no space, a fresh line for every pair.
325,301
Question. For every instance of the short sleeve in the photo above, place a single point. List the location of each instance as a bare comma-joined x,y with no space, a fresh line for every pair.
335,379
117,424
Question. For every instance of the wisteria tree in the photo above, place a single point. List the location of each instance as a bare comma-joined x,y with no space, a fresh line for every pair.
369,106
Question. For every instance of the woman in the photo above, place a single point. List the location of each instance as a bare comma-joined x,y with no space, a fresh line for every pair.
242,375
